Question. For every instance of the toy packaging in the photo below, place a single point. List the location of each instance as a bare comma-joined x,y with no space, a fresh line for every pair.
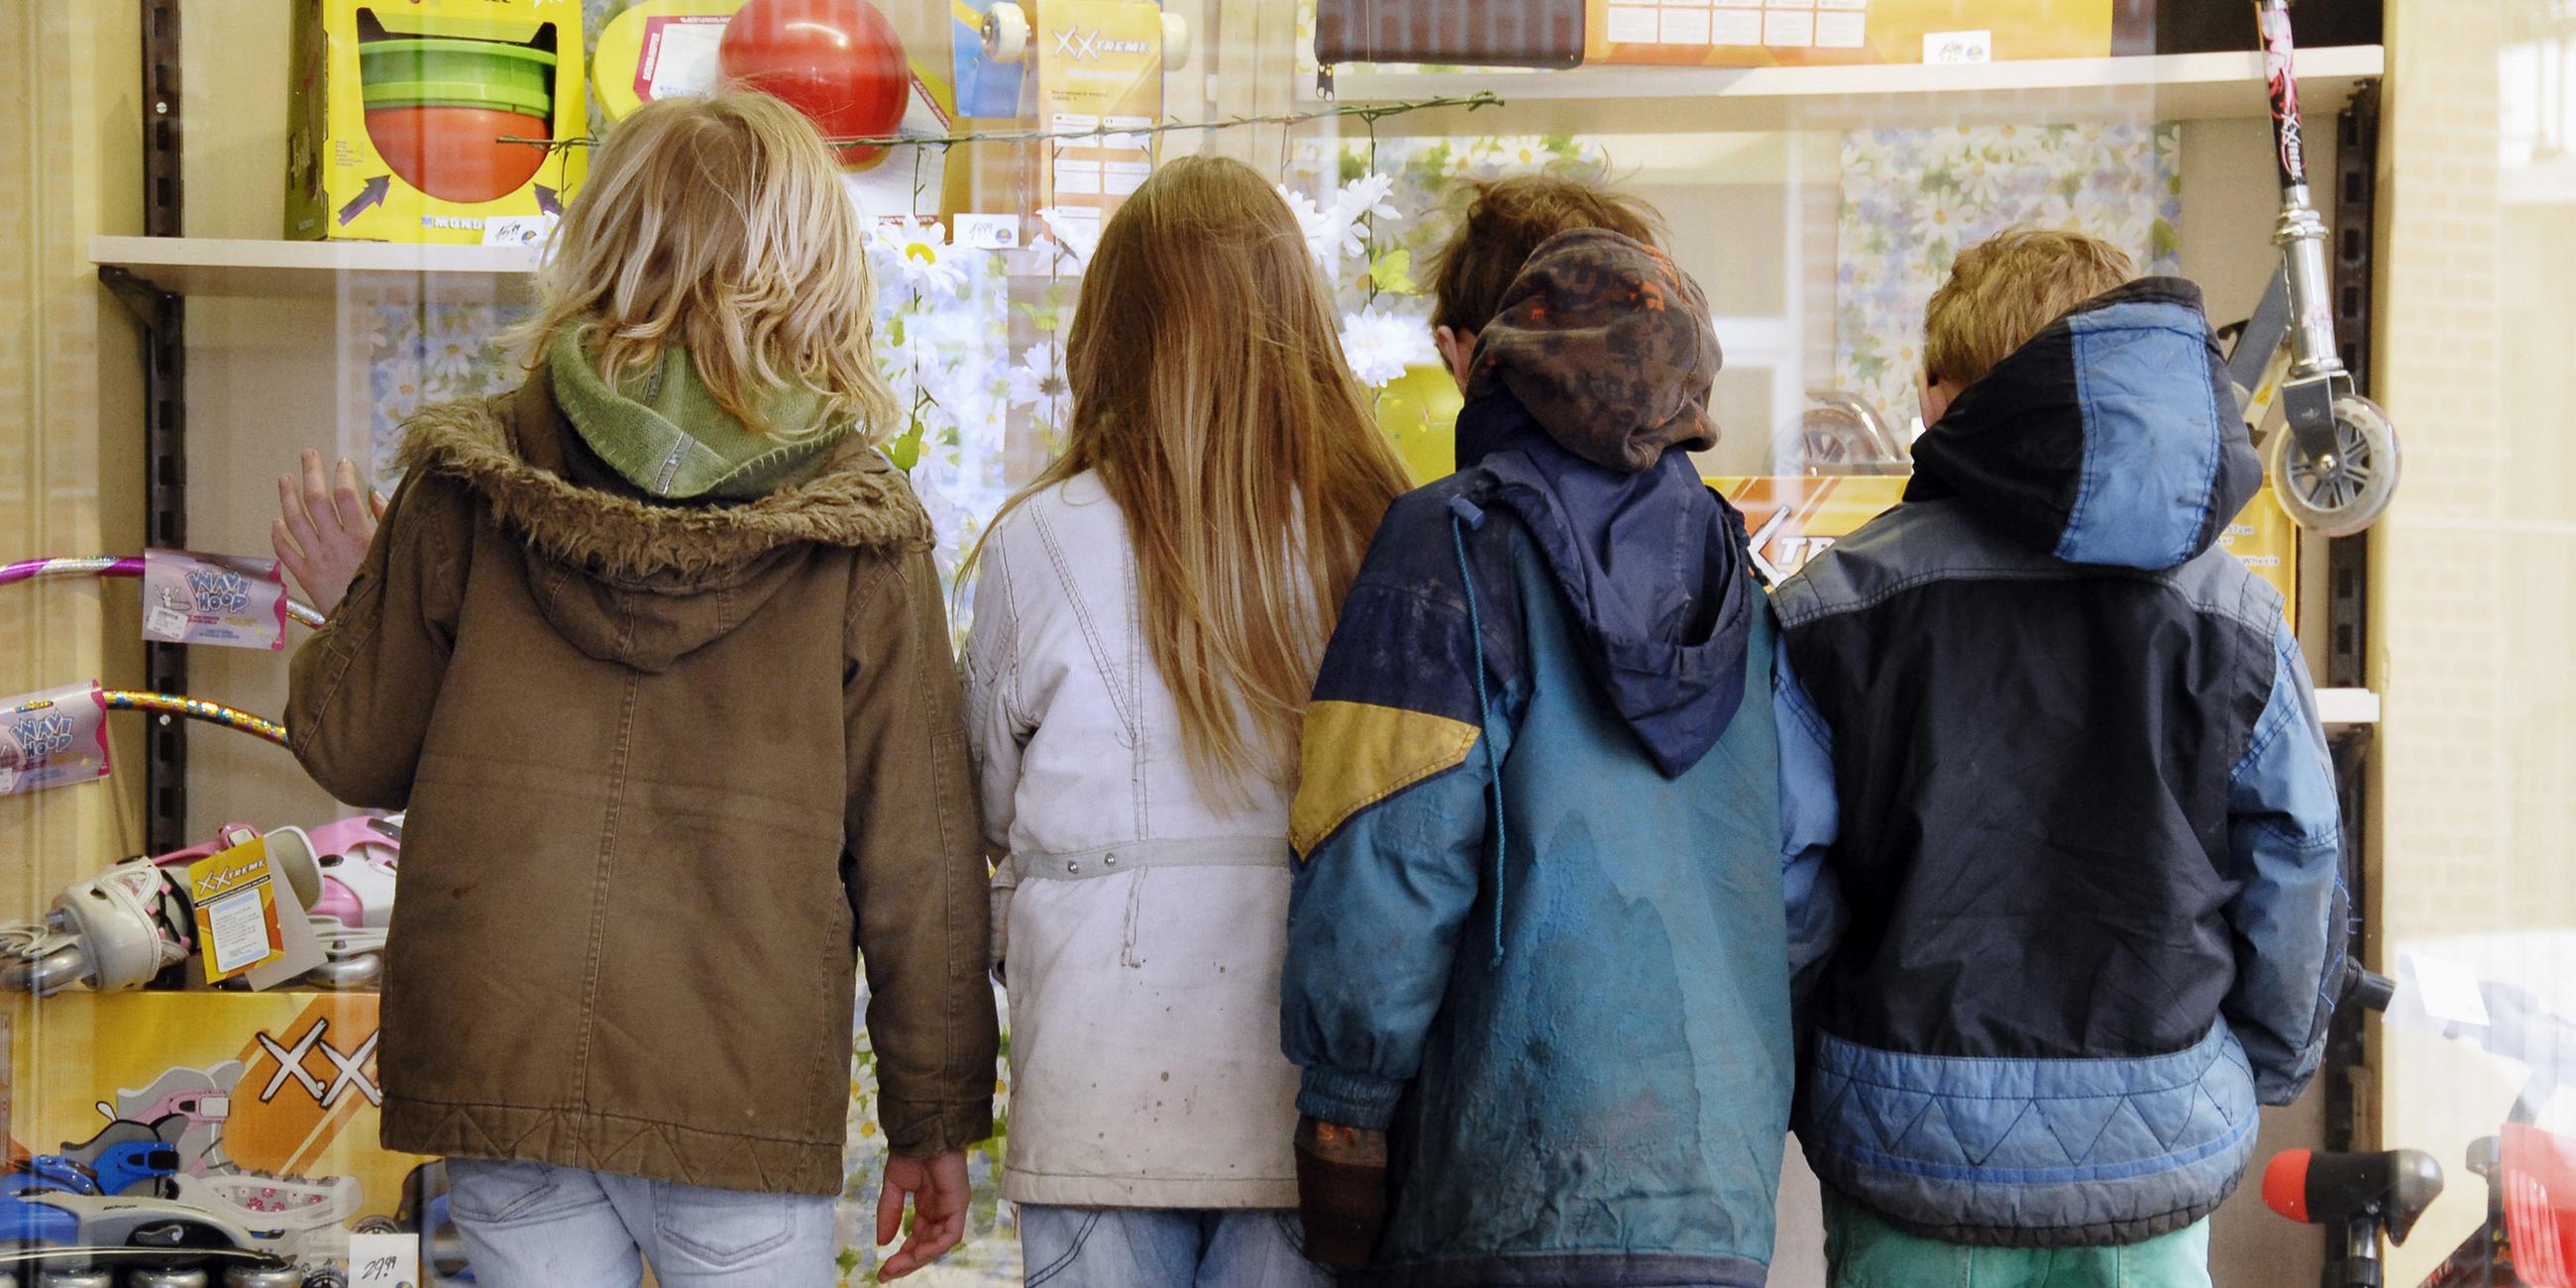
53,738
1792,519
233,600
1754,33
255,1112
401,108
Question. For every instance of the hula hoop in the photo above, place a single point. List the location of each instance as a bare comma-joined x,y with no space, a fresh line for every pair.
214,713
113,566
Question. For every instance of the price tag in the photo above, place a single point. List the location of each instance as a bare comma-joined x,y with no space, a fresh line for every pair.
165,624
8,779
2447,990
1958,46
237,924
986,232
384,1260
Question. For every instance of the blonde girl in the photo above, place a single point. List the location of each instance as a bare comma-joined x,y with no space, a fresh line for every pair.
652,649
1149,614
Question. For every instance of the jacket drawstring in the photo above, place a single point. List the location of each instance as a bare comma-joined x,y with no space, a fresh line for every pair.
1464,514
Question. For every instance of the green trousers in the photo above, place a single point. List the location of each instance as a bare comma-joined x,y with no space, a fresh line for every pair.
1865,1252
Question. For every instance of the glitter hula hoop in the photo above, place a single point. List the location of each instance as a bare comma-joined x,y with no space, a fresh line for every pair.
113,566
214,713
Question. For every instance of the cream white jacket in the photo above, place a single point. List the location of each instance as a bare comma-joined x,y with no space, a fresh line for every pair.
1138,926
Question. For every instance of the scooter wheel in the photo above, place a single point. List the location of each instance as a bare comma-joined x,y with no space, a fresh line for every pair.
327,1278
1006,33
376,1225
2345,492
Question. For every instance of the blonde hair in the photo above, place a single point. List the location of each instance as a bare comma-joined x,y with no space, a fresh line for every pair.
1210,395
2008,288
721,224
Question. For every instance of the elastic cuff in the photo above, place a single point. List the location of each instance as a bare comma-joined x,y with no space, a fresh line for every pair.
1349,1099
927,1130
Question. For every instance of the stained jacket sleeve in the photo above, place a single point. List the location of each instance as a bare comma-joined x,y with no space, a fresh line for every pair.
2288,918
998,723
915,864
1390,826
1810,820
362,689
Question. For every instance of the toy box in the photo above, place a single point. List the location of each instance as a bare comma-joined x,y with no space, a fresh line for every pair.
1754,33
400,107
257,1108
1793,519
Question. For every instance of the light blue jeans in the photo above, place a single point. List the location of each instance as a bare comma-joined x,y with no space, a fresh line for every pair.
1073,1247
535,1225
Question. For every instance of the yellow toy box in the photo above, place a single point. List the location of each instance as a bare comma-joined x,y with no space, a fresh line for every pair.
254,1110
1755,33
402,107
1792,519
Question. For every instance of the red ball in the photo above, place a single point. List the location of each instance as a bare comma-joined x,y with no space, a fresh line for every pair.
837,61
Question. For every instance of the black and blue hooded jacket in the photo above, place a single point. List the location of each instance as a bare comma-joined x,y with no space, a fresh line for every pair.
2086,831
1535,933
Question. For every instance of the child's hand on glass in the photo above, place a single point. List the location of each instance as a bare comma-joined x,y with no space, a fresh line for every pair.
322,529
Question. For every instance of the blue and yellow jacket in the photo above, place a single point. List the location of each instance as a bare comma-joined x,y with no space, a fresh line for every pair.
2087,828
1536,933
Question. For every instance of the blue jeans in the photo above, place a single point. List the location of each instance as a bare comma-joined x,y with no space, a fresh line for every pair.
535,1225
1072,1247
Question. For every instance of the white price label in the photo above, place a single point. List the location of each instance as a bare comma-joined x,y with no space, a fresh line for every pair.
986,232
1958,46
518,230
384,1260
2447,990
165,623
8,779
240,926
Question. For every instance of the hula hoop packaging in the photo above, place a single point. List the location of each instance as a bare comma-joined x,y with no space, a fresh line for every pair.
232,600
52,739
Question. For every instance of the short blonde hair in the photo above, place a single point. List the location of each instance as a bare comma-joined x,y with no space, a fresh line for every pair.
2008,288
720,223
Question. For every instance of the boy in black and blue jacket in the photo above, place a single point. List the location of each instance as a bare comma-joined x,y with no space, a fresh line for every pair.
2086,831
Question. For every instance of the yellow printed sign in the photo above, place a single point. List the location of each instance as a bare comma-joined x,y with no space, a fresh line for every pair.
1100,67
267,1103
235,894
1756,33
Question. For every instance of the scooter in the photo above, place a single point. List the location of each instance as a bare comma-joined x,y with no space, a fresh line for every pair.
2334,462
2529,1235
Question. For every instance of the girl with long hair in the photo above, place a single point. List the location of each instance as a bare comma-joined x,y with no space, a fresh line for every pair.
1149,615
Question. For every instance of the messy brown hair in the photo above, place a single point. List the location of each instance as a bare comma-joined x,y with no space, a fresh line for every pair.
1505,220
2006,289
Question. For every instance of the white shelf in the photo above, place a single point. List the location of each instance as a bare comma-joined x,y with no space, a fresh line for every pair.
1616,99
2347,707
214,266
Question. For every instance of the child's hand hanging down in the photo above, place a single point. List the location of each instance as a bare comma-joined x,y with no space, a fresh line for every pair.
322,529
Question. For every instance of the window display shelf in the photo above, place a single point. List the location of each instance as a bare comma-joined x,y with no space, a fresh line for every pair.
1613,99
285,269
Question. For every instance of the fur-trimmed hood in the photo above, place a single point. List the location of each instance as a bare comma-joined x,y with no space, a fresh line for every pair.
632,581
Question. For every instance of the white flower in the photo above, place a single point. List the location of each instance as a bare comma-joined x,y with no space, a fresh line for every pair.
1367,196
1039,381
1382,346
918,250
1075,237
1330,230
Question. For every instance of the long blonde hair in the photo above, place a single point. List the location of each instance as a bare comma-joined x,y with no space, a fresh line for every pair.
1210,395
720,223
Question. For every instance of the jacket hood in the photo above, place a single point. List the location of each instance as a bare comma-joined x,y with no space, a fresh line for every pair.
665,434
2110,438
627,580
1608,345
1615,342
